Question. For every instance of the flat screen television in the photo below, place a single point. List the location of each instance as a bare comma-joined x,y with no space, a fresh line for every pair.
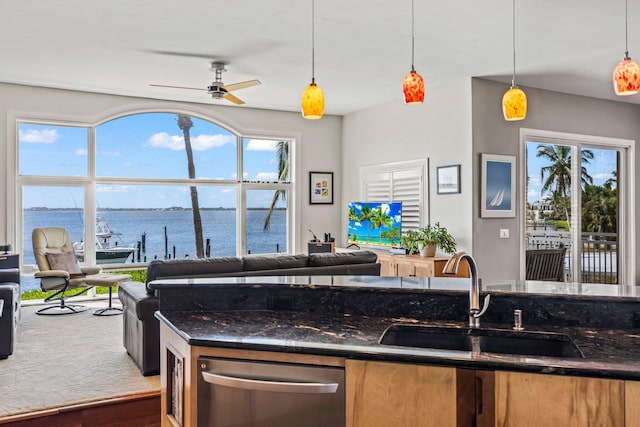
375,223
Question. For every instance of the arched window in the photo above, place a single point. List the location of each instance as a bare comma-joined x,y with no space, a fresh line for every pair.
153,185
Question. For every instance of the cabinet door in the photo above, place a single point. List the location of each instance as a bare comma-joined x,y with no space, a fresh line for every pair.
405,268
632,403
394,394
424,268
550,400
387,265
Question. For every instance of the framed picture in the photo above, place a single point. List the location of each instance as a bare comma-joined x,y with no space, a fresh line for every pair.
448,179
498,191
321,188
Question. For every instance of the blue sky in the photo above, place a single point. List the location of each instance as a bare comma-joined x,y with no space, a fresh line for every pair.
144,146
600,168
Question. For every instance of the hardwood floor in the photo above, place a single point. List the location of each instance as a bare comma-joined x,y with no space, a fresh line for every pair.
131,411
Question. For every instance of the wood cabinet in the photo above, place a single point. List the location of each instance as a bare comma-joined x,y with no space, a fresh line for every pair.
395,394
632,403
415,265
524,399
387,394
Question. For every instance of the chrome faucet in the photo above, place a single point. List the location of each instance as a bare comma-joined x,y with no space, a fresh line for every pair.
451,267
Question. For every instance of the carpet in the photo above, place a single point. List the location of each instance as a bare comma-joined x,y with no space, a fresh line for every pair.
65,360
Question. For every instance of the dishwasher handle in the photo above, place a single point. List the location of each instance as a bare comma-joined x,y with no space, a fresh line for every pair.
271,386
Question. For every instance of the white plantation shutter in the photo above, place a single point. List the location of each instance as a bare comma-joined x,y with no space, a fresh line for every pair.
404,182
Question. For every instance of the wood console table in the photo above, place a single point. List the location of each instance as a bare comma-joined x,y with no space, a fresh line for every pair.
415,265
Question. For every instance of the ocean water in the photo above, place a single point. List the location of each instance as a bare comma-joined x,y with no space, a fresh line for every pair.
219,226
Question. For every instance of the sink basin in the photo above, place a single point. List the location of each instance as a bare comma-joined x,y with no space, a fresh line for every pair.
502,341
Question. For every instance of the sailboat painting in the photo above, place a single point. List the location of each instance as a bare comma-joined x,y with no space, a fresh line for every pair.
498,186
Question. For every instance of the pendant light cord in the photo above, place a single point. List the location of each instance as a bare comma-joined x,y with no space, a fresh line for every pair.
513,78
626,30
313,42
412,36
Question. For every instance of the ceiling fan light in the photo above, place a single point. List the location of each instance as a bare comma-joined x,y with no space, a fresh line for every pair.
514,104
413,88
312,102
626,77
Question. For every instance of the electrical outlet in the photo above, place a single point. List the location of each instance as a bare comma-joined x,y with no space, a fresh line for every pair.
504,233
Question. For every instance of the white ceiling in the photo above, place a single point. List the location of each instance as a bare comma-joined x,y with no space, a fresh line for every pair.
363,47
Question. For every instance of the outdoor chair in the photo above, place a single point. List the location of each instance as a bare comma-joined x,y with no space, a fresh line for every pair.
545,264
59,271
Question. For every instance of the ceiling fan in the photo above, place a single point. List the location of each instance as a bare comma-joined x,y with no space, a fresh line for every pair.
217,89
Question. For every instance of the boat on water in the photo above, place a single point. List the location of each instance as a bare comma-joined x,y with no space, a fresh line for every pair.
109,249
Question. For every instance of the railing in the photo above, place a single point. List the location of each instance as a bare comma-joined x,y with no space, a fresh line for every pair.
598,255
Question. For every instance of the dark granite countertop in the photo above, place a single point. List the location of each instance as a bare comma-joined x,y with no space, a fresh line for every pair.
346,316
608,353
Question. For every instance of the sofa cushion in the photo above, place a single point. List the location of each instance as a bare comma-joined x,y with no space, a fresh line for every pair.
197,267
272,262
342,258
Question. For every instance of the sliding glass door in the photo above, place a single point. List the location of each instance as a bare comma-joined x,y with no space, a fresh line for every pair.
574,203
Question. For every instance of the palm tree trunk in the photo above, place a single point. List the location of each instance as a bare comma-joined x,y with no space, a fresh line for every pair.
185,124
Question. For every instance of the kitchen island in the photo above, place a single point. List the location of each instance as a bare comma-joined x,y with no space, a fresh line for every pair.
333,321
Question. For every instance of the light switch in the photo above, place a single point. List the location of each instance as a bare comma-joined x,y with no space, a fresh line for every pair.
504,233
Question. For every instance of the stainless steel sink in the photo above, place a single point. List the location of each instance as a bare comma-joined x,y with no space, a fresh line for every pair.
503,341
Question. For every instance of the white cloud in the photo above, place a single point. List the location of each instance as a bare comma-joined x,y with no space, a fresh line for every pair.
602,176
110,153
113,188
46,136
198,143
267,176
261,145
164,140
245,175
81,152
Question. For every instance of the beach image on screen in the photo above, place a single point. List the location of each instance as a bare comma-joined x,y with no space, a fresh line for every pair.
375,223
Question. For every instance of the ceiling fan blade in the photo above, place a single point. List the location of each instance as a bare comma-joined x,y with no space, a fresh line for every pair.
177,87
234,99
242,85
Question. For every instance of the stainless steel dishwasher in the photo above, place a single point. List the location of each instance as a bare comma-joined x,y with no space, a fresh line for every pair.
237,393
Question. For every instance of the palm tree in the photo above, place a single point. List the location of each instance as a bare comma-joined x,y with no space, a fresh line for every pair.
185,124
391,235
365,216
599,209
282,150
379,219
558,173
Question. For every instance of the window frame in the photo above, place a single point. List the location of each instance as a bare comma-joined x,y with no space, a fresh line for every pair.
626,194
15,182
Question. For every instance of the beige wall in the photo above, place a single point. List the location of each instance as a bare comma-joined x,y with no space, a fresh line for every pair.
547,110
319,148
439,129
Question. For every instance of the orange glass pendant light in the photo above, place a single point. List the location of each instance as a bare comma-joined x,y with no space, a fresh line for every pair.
626,75
514,100
312,97
514,104
413,83
413,88
312,102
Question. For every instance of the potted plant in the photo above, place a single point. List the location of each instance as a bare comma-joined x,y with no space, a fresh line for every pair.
411,241
427,239
436,236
